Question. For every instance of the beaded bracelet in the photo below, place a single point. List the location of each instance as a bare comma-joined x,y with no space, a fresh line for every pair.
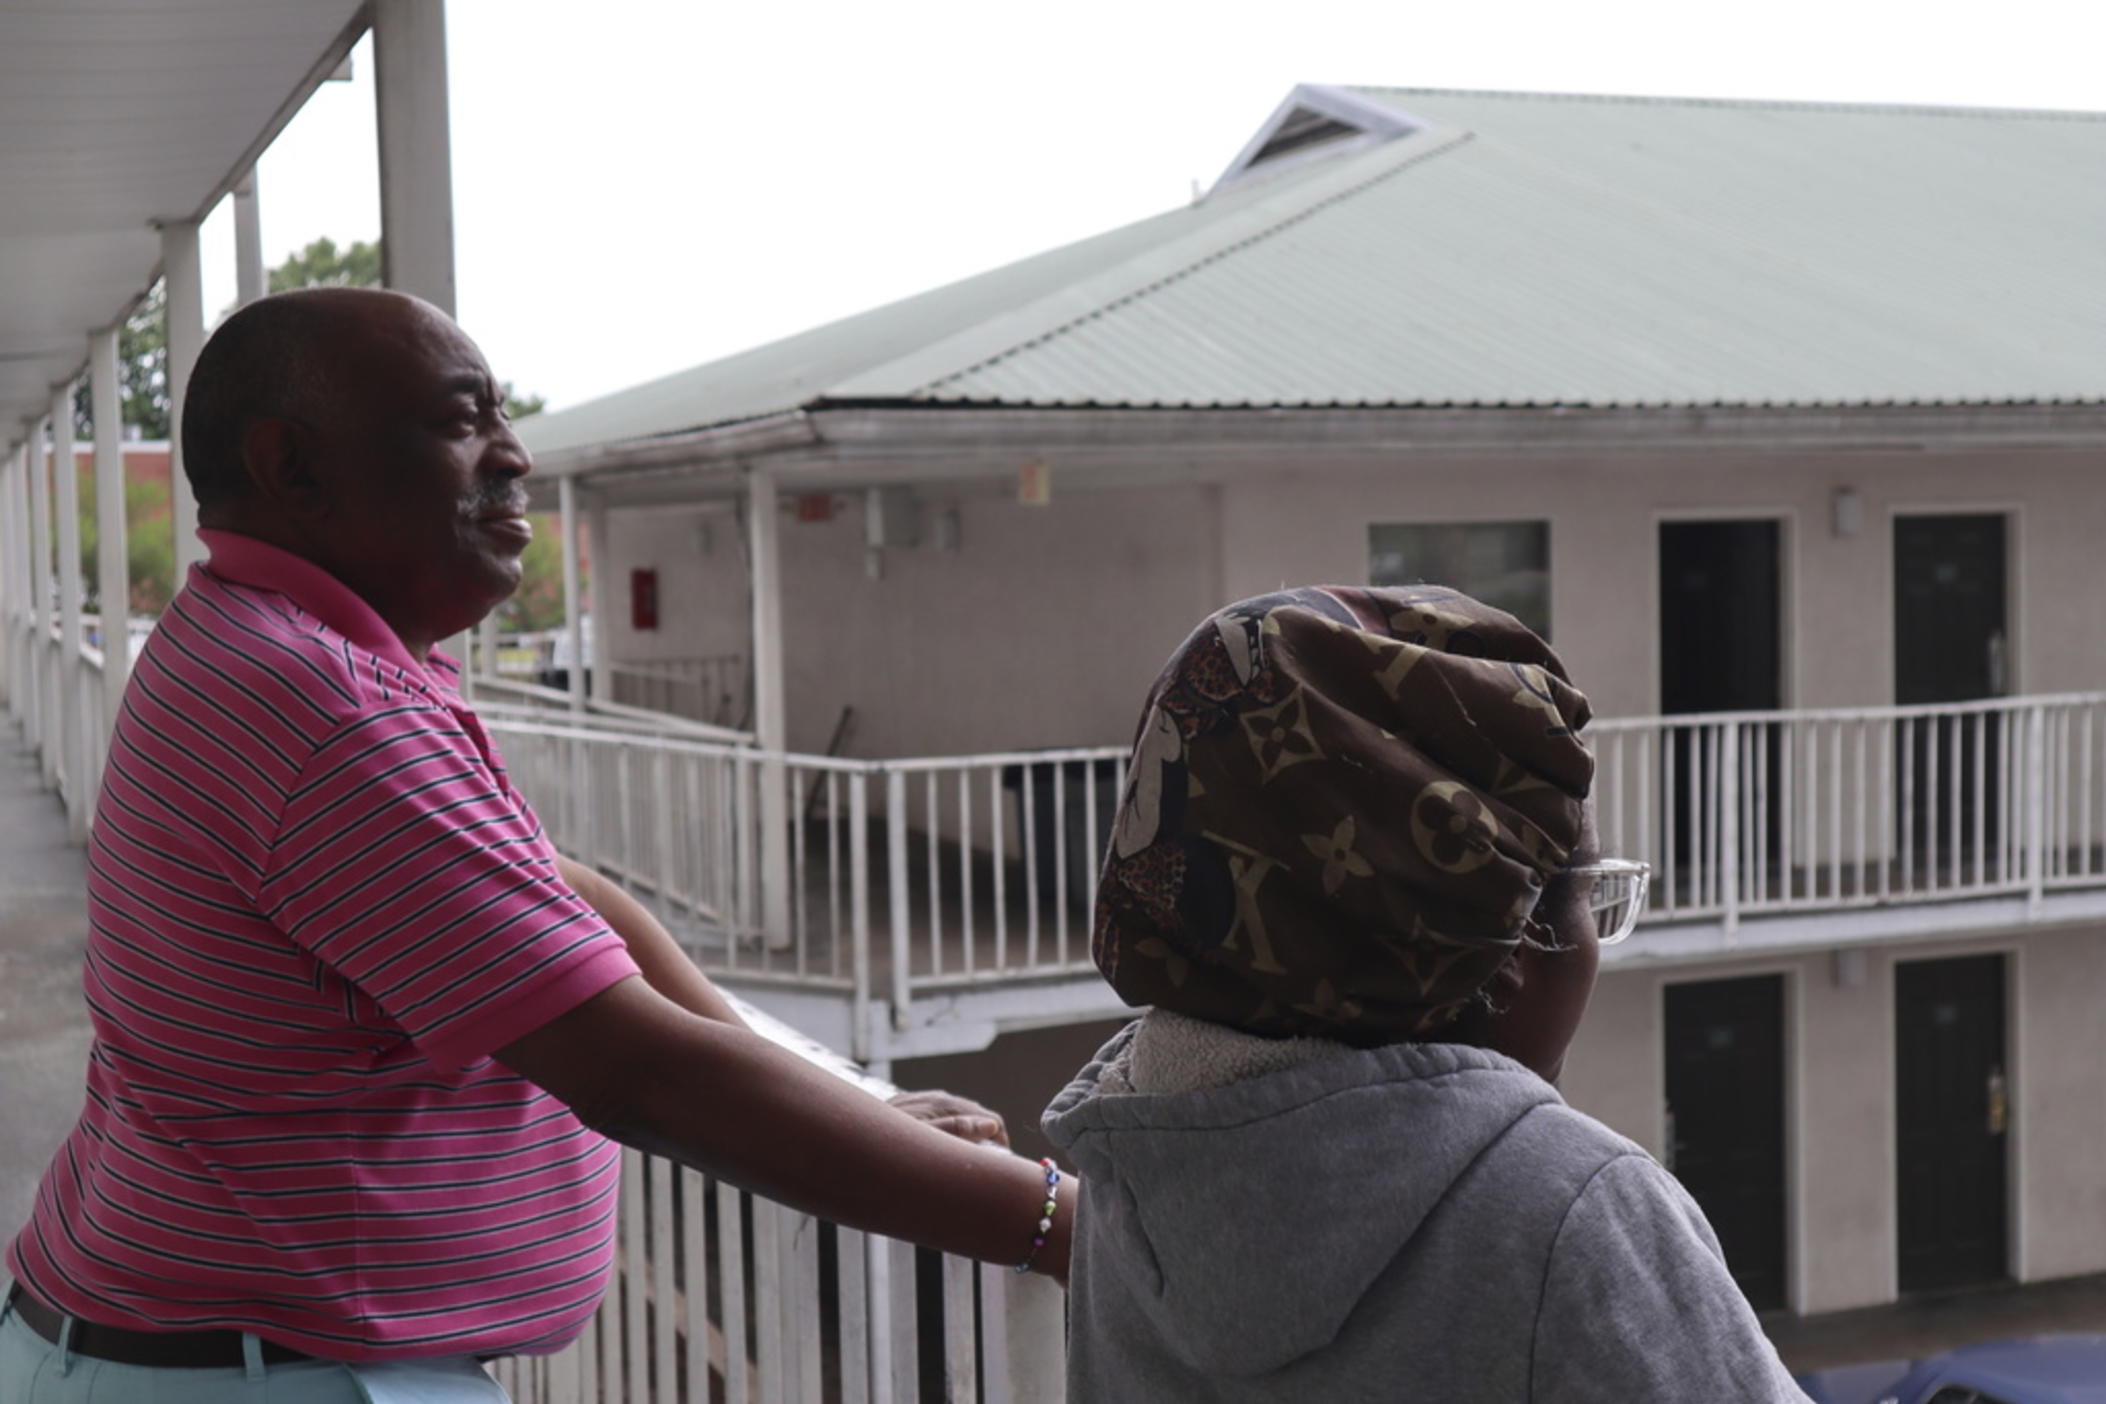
1045,1217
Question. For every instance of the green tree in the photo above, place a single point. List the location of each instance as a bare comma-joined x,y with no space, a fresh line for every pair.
323,265
142,371
518,406
149,546
538,602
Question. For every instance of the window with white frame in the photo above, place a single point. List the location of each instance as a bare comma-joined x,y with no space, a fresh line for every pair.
1504,564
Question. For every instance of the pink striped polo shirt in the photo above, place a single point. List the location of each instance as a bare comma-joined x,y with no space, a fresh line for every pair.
316,906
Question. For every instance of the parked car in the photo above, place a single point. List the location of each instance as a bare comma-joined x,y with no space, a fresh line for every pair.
2064,1369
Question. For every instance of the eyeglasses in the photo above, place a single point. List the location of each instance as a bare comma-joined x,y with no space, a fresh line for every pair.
1615,894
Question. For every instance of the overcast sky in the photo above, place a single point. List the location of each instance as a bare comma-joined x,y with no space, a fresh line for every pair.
644,185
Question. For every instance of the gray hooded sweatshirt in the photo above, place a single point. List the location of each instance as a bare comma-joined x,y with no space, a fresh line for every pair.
1422,1222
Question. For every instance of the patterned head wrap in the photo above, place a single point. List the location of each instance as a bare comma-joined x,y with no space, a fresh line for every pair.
1342,807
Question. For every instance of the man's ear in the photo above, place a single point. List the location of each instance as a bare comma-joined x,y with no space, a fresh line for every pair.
277,455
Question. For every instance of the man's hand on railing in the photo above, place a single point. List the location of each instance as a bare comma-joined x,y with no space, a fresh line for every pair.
960,1116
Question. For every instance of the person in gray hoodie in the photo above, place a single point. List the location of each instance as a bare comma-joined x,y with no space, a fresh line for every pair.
1353,880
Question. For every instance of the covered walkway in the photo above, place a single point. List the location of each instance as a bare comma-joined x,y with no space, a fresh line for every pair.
43,1021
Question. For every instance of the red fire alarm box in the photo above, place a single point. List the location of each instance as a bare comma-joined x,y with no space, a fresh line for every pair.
643,599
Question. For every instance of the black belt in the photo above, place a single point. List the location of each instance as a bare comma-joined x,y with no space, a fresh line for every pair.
156,1349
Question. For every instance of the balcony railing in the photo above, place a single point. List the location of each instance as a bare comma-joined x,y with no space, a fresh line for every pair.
895,879
1759,813
722,1295
58,693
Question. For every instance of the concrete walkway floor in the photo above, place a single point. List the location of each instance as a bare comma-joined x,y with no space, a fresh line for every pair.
1926,1326
44,1029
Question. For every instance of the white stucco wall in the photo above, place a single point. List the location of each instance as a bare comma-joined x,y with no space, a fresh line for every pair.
1839,1088
700,558
1043,627
1047,624
2059,1103
1604,517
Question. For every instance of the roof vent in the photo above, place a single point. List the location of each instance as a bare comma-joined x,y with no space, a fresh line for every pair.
1301,130
1316,122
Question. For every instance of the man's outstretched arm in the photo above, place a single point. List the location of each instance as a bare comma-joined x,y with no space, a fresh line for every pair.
667,970
716,1096
665,966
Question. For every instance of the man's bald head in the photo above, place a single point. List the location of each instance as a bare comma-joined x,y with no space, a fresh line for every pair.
363,431
294,355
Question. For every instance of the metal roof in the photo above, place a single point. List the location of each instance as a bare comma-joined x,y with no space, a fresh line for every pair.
1513,249
115,116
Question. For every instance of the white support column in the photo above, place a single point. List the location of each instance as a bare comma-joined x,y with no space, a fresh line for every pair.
599,571
573,624
73,725
112,569
416,149
11,554
410,107
186,337
22,675
248,243
770,724
46,708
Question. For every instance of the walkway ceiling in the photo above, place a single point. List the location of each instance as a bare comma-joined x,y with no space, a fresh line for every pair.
116,116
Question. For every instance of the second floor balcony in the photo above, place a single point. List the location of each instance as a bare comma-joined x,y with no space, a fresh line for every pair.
908,907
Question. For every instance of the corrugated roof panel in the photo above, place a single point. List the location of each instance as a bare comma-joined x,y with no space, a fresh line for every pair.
1519,250
1642,253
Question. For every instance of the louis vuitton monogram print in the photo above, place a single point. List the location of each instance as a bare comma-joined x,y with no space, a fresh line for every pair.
1342,805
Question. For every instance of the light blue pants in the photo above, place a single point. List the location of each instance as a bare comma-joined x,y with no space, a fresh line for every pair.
35,1371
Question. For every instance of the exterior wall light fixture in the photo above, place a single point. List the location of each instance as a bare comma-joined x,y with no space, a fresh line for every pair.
1847,512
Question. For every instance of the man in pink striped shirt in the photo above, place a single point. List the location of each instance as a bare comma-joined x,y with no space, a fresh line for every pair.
361,1036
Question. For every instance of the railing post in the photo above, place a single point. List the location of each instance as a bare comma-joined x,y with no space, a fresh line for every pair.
1729,826
2036,807
896,868
859,912
1026,1358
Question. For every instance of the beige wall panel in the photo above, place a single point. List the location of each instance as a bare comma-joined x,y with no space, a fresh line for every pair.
1843,1134
1073,606
1613,1070
1044,628
2059,1103
1604,516
701,565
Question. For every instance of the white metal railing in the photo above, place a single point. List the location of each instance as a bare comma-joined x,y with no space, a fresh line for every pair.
57,693
879,878
494,694
890,879
709,688
1754,813
719,1294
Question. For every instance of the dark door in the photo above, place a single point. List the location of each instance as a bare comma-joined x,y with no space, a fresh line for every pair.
1721,650
1721,645
1950,645
1952,1110
1725,1108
